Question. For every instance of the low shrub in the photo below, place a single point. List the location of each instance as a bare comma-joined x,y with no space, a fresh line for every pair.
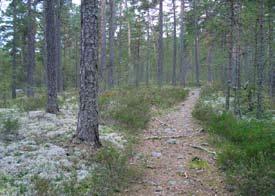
247,150
9,124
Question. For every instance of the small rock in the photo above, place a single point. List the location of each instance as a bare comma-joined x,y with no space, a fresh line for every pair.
180,157
36,114
172,182
158,189
230,188
171,141
49,116
156,154
181,171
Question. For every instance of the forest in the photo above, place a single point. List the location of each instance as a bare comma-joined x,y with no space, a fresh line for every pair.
137,97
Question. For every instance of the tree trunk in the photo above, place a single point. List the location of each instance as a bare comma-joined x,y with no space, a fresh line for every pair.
271,55
197,61
87,125
237,109
147,78
209,62
174,45
14,51
52,106
103,39
182,45
230,63
120,44
111,44
31,50
58,9
160,45
260,61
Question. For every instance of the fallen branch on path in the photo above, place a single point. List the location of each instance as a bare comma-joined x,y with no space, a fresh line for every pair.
164,137
204,149
163,123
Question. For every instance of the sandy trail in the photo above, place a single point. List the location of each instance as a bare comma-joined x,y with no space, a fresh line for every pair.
167,151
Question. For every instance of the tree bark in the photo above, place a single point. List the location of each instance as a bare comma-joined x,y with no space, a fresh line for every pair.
58,9
13,50
103,39
237,109
260,61
271,55
174,77
31,50
52,106
111,44
160,45
147,74
182,45
197,61
87,125
230,62
209,62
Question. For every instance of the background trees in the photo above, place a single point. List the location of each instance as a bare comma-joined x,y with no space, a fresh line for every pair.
185,42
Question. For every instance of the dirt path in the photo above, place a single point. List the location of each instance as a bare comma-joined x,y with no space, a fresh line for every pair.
173,165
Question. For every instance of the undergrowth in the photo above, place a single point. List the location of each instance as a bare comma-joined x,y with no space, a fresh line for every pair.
129,110
246,149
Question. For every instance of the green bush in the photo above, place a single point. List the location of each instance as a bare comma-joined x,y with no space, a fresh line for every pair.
113,173
132,107
133,111
247,150
32,103
9,125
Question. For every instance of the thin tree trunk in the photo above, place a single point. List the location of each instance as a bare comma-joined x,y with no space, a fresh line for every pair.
129,37
271,55
31,50
260,62
111,45
174,45
197,62
237,109
230,63
148,49
14,51
52,106
120,44
160,45
87,125
209,62
182,45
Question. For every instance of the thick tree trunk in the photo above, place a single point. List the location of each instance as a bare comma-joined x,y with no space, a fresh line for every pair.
160,45
260,61
52,106
103,39
31,50
182,45
58,9
111,44
197,55
174,77
87,125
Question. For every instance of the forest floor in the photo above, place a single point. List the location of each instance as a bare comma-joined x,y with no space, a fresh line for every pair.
176,156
